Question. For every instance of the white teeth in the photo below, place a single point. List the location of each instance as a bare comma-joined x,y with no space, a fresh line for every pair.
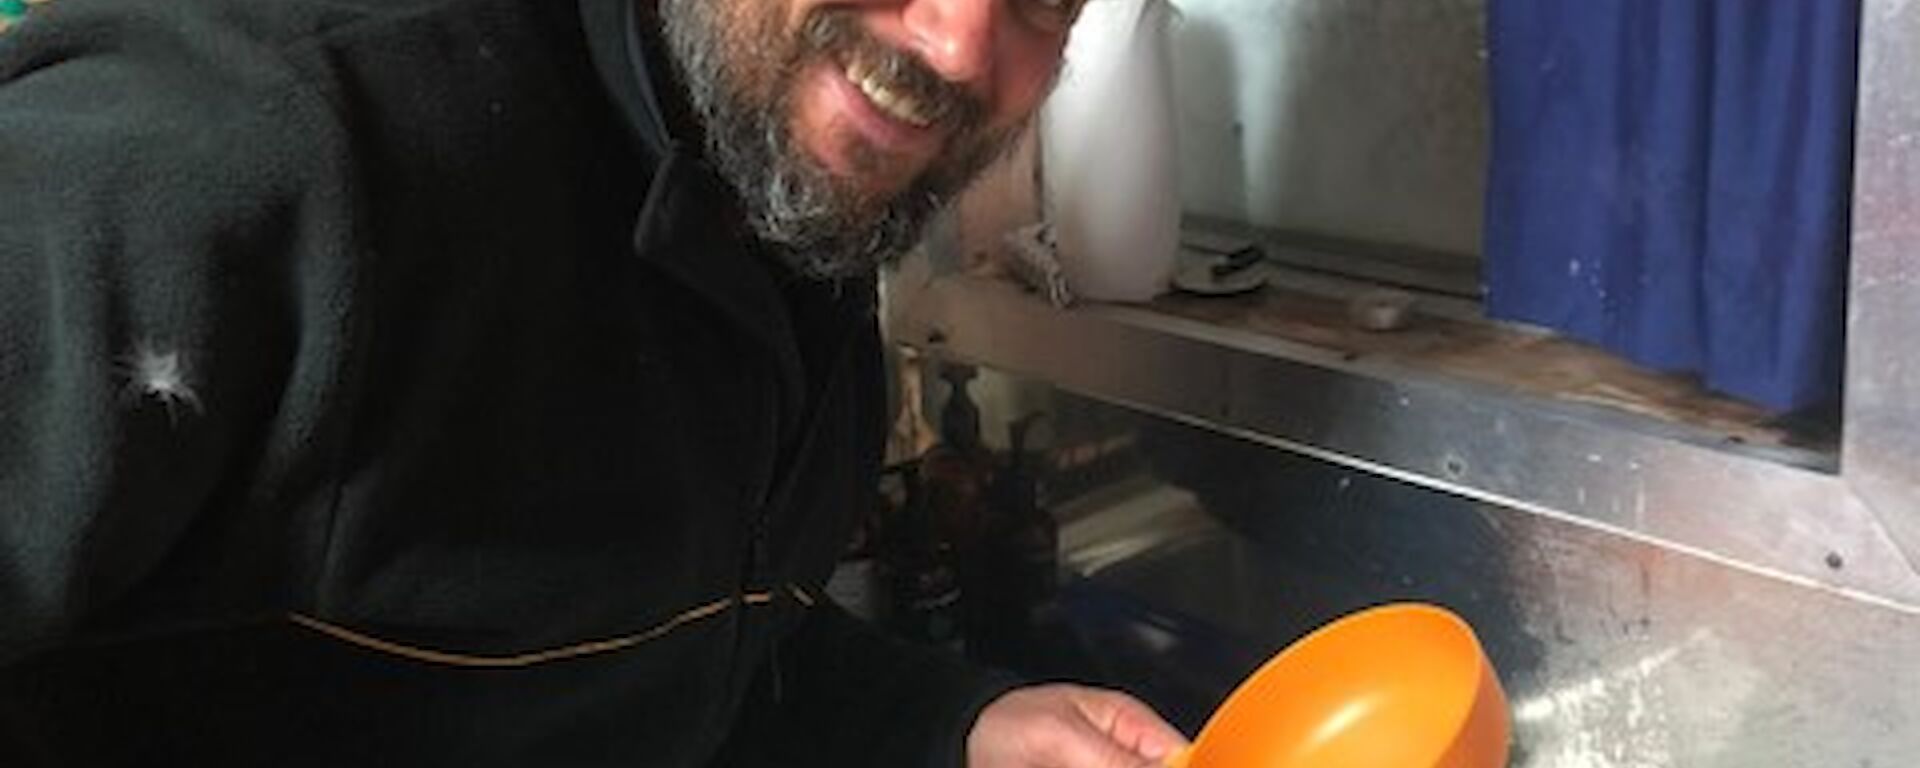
897,105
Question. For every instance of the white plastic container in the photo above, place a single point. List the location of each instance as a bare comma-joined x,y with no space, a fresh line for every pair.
1109,155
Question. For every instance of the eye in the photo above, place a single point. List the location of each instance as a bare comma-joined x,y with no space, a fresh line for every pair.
1052,16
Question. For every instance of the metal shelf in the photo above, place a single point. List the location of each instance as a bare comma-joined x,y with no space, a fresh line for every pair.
1462,437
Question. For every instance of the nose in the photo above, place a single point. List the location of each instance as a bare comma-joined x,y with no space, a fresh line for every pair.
954,37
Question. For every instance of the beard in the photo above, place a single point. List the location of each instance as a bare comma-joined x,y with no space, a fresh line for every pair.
741,65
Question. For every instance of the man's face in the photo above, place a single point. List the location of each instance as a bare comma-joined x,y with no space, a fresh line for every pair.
844,124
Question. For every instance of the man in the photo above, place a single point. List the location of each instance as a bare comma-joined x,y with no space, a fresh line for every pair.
427,382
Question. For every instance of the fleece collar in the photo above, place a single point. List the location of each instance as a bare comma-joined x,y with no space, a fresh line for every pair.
691,226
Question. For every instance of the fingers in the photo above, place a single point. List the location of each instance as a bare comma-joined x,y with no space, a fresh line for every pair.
1087,746
1130,722
1068,726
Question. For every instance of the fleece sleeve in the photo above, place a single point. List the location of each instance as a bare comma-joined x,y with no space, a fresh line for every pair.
842,693
160,267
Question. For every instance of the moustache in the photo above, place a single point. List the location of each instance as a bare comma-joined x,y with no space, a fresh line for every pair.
837,36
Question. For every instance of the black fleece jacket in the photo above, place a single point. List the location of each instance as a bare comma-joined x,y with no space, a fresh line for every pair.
382,382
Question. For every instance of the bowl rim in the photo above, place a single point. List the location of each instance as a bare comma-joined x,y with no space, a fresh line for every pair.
1457,719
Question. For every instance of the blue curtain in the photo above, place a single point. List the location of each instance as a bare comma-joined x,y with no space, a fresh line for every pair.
1670,180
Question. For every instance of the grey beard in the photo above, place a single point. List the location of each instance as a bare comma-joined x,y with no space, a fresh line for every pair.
816,226
797,212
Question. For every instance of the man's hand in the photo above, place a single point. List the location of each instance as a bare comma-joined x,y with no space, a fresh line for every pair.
1068,726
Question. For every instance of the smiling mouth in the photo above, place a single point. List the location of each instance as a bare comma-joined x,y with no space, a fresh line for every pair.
888,97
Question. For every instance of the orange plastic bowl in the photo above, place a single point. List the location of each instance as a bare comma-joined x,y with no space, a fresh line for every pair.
1400,686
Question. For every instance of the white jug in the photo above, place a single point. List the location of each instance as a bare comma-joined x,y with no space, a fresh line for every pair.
1109,156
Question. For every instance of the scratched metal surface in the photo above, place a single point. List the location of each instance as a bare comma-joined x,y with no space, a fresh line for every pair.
1883,362
1615,651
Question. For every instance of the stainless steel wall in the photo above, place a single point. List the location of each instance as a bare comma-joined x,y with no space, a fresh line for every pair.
1615,652
1883,362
